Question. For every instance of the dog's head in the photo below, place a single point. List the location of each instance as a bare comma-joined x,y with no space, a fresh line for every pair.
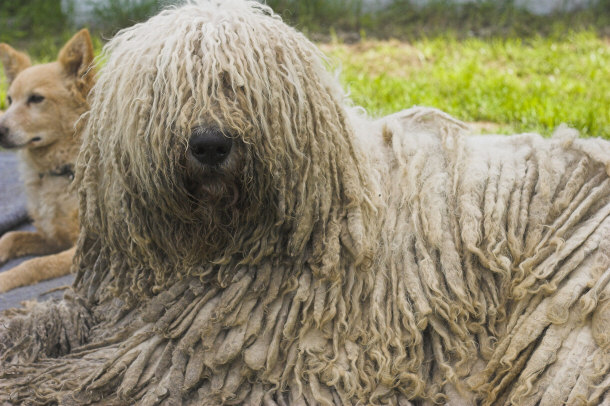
216,135
45,101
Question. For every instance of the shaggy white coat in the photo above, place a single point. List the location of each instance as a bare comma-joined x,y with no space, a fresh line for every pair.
396,261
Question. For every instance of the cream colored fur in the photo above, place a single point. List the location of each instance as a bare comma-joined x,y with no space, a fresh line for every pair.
331,260
46,102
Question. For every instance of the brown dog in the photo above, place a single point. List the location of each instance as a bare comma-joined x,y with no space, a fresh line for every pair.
45,103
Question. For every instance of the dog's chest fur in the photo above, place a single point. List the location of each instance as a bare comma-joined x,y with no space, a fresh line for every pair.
52,205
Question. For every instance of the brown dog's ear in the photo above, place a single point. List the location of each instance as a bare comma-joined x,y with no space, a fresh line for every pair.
76,56
13,61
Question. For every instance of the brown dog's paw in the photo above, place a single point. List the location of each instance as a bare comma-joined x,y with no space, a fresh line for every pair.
11,279
6,248
7,281
4,286
4,255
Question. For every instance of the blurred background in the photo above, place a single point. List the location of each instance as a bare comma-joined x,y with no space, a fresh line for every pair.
502,65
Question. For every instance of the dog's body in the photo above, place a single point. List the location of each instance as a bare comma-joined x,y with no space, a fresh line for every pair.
45,103
247,238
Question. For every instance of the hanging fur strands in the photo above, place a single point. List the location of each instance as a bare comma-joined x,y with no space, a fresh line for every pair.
247,237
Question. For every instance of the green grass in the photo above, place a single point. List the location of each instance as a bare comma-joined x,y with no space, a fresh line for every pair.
532,85
520,85
2,90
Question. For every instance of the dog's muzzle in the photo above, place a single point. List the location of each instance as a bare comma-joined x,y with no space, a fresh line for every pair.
209,146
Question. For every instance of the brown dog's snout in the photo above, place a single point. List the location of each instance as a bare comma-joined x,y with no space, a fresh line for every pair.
209,146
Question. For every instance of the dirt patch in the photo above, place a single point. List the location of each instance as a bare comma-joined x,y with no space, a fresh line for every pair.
484,127
391,58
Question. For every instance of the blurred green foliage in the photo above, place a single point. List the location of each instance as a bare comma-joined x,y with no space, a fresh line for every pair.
39,24
31,18
321,15
43,25
404,19
485,19
112,15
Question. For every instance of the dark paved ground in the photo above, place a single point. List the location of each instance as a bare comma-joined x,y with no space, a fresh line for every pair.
40,291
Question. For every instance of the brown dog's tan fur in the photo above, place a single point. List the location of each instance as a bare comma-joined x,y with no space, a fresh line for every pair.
46,102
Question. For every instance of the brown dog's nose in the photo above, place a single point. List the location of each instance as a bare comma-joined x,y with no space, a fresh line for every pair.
3,131
209,146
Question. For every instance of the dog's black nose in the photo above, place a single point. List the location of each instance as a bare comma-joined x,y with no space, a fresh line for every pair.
210,146
3,131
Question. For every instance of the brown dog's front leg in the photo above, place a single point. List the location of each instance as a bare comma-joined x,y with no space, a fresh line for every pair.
37,269
15,244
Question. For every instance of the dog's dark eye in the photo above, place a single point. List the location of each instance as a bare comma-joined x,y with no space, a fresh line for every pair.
9,100
35,98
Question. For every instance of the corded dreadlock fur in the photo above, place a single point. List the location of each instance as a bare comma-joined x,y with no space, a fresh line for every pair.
330,260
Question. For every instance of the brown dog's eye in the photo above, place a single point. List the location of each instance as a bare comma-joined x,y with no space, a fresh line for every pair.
35,98
9,100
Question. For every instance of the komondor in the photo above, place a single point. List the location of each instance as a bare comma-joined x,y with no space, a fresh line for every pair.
249,238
